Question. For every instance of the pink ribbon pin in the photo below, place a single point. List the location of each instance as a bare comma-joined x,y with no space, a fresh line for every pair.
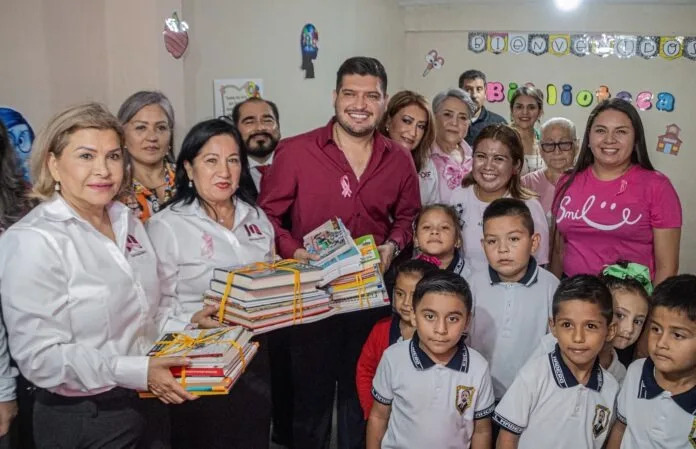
453,174
345,186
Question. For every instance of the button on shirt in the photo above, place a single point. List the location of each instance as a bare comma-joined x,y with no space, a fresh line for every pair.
190,245
80,310
655,418
432,405
509,319
548,408
312,180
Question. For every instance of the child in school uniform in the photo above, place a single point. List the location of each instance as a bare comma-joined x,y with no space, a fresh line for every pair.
390,330
656,407
438,239
565,399
630,287
512,296
433,391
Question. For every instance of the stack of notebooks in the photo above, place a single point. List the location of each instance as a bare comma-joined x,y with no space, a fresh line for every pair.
262,298
218,358
351,268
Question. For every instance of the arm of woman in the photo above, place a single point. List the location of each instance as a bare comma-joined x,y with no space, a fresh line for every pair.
666,251
36,306
170,315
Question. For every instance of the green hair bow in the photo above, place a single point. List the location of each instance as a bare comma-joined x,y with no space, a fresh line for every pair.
633,271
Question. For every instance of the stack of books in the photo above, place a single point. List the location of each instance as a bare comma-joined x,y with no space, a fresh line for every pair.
263,297
218,358
338,254
364,287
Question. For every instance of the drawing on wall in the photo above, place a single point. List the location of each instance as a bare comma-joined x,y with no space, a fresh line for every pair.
434,61
176,38
21,136
309,46
669,142
229,92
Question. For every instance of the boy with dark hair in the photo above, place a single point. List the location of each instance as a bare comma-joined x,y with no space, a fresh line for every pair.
474,83
657,404
512,297
565,399
433,391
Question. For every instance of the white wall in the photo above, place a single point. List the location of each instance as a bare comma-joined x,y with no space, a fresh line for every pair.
446,29
260,39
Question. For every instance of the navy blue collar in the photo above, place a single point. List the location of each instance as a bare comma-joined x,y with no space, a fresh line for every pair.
421,360
564,377
394,329
529,278
456,265
649,388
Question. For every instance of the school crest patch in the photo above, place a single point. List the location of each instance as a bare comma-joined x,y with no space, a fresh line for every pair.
464,397
600,422
692,434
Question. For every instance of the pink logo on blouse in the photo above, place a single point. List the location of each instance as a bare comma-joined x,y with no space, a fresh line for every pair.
207,246
453,174
133,247
345,187
581,214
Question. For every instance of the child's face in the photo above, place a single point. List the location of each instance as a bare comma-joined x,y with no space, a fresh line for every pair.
672,341
508,245
436,235
581,331
630,312
440,320
403,294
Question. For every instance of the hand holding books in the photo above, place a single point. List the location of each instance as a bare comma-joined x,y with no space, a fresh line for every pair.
302,255
206,318
162,383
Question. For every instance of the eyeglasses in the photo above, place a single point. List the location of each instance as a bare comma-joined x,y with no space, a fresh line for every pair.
550,147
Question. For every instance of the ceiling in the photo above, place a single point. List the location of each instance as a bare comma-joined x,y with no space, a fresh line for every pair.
459,2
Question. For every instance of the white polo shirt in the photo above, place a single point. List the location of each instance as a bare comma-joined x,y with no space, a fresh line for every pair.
190,245
654,417
470,210
548,408
432,406
548,343
509,319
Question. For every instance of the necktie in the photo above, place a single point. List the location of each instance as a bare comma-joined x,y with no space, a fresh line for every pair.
263,169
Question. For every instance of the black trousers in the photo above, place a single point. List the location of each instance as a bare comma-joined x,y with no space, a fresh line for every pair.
323,360
111,420
239,420
279,344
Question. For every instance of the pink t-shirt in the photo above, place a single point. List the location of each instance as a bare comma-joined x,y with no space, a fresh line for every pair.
539,183
450,172
605,221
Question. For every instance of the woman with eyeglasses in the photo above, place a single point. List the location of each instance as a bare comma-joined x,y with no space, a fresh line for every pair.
559,145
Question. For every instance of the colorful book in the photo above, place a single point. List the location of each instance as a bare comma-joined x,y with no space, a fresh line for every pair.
268,278
328,241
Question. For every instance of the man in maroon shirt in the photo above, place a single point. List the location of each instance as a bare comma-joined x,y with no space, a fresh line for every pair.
348,170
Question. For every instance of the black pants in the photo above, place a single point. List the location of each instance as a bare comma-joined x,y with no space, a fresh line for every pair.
279,344
111,420
323,358
239,420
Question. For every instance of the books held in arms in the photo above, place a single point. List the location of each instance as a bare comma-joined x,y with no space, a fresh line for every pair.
333,244
218,358
267,296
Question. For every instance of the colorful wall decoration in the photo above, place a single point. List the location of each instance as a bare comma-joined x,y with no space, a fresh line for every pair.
603,45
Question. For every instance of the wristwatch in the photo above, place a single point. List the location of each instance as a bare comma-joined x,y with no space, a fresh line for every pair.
397,250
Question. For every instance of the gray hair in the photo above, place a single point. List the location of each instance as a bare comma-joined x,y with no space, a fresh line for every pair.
563,123
139,100
459,94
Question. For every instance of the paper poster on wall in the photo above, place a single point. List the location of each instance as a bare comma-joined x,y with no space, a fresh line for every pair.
309,46
229,92
433,61
622,46
669,142
21,136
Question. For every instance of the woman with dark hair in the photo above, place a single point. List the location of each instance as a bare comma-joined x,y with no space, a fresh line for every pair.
213,222
148,123
409,122
614,205
498,159
526,109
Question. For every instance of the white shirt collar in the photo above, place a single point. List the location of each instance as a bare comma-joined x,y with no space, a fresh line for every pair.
253,163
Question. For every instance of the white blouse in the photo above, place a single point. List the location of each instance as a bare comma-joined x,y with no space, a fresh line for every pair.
429,183
81,311
190,245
